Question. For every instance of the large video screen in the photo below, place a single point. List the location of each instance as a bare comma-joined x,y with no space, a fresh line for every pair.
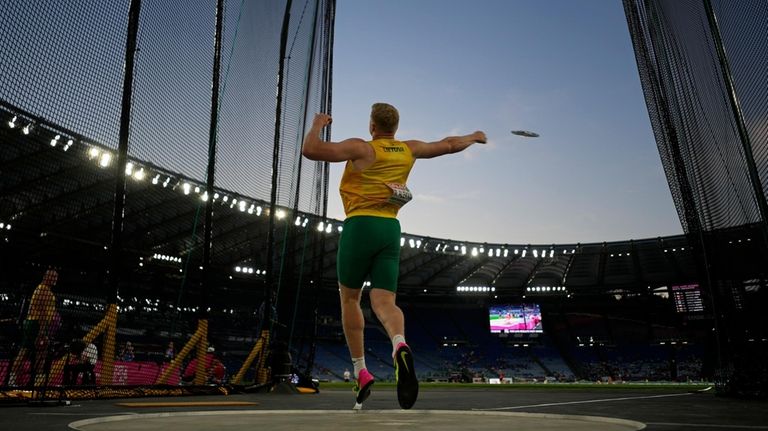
515,319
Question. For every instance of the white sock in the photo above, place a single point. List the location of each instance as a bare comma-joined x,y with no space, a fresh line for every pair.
359,364
397,339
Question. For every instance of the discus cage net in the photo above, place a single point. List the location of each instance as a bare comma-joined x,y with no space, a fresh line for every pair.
156,211
702,65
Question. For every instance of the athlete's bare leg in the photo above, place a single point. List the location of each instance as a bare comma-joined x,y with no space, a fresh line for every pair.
388,313
352,320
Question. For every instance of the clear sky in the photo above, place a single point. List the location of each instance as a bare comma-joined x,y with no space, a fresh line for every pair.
562,68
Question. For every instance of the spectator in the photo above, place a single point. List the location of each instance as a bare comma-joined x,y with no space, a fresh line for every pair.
81,360
126,353
347,375
170,353
88,358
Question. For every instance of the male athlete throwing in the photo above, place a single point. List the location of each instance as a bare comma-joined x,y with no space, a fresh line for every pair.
373,188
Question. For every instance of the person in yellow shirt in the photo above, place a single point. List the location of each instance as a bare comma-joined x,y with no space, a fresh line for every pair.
373,189
37,330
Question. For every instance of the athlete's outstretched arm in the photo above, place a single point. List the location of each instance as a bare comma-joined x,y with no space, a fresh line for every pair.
449,145
317,149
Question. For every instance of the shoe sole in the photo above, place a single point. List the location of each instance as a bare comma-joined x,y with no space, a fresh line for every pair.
407,383
364,392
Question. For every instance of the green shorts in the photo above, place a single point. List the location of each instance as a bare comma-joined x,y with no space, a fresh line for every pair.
30,329
369,246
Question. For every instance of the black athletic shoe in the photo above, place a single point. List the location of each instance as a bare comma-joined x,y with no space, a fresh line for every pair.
405,374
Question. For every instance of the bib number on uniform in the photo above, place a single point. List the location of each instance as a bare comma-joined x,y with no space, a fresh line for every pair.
400,194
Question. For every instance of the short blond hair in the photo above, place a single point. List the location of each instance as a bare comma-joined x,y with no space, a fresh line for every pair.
385,117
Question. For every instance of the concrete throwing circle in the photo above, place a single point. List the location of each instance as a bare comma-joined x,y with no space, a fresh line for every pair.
290,420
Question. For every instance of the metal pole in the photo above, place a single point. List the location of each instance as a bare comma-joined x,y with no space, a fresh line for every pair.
276,163
118,214
738,116
306,104
212,135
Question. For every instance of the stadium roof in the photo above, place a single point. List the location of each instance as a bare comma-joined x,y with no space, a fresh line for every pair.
56,203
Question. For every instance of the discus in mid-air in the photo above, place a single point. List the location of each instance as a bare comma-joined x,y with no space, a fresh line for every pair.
525,133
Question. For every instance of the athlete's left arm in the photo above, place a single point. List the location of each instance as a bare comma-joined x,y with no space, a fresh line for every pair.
316,148
449,145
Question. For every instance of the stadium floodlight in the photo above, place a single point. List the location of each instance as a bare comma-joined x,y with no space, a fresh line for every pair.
464,249
455,247
250,270
328,228
204,197
517,251
156,179
490,252
105,159
402,241
25,130
573,251
186,187
128,169
474,251
611,254
55,140
551,254
226,199
524,253
93,152
12,123
258,210
166,182
242,206
340,228
298,221
498,252
506,252
482,250
69,144
2,225
280,214
535,253
412,243
418,243
320,226
139,175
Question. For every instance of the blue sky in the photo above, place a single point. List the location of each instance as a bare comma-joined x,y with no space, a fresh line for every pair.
564,69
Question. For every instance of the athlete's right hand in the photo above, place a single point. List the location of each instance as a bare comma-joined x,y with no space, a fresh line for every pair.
480,137
321,120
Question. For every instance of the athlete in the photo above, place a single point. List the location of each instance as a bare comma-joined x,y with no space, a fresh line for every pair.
373,189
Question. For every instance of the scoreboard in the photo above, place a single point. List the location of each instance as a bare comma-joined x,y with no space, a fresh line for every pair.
687,298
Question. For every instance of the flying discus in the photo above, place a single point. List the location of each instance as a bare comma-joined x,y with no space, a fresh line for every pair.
525,133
